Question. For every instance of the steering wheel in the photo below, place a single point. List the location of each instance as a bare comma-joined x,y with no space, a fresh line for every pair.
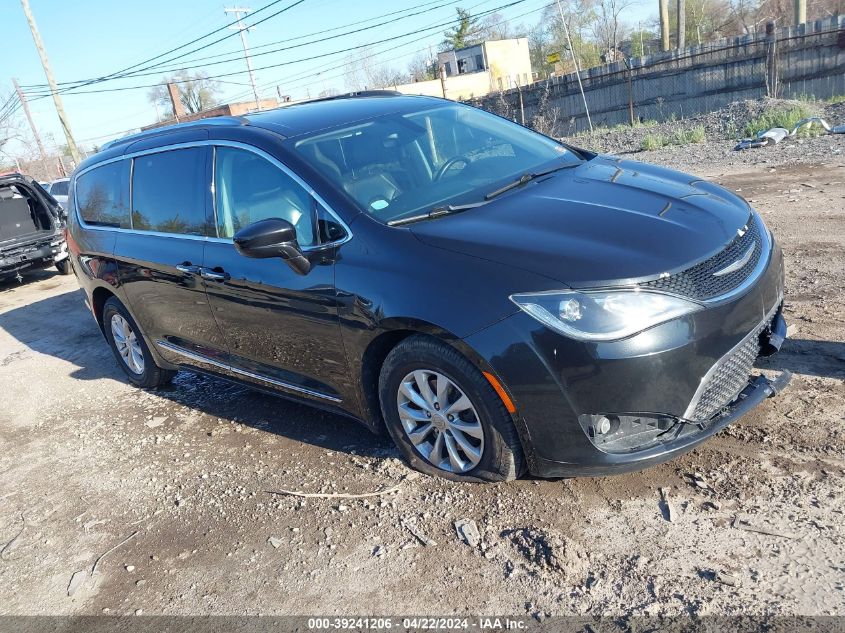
450,162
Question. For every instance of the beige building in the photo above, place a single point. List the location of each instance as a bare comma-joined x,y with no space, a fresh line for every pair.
475,71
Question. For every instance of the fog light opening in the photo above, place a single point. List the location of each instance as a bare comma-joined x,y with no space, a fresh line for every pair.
623,433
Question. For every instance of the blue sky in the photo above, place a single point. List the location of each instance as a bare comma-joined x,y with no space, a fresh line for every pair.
92,38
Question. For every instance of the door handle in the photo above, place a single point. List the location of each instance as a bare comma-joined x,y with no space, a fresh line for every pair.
210,274
188,268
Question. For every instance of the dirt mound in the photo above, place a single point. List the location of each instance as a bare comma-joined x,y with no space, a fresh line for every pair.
549,551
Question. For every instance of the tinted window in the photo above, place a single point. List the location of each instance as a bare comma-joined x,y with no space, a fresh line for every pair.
328,228
249,188
101,195
168,192
59,188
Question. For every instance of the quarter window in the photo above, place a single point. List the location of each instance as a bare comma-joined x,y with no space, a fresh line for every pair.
249,188
101,195
168,194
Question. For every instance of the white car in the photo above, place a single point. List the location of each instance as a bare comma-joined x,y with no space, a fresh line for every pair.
58,189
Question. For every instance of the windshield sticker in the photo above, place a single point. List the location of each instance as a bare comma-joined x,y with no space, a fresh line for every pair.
379,204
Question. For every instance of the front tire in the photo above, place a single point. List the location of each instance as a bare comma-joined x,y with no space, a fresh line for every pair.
130,349
444,416
64,266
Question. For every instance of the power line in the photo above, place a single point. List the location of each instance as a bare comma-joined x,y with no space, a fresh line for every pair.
310,73
29,87
331,64
8,109
310,57
236,55
285,48
123,73
504,20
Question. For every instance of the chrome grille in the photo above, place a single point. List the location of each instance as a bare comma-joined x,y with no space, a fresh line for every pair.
699,282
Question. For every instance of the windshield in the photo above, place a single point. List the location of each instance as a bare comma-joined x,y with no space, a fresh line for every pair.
399,165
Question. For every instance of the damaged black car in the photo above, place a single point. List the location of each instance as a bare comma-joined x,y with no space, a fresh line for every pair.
498,301
31,229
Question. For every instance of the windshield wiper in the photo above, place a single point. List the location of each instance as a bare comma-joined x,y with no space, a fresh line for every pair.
528,177
436,212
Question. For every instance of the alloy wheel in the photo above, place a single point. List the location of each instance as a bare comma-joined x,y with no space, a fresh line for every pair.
440,420
127,344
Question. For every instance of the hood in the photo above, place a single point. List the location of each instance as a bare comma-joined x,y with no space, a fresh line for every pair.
607,221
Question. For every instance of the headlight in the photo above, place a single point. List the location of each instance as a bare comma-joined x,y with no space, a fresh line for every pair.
602,315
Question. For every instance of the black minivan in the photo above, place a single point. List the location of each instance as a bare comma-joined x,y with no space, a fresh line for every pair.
499,301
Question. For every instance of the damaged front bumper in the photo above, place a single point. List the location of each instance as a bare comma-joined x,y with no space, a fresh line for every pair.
684,381
683,435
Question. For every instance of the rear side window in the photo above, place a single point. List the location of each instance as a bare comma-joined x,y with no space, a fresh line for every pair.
168,192
101,195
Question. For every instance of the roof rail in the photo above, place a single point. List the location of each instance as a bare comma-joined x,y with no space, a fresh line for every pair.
211,121
351,95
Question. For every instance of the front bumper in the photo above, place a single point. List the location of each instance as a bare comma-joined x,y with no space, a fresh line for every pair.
757,390
554,380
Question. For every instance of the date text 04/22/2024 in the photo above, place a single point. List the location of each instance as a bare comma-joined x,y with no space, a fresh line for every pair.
419,623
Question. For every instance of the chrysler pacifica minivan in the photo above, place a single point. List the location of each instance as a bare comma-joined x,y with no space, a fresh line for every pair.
498,301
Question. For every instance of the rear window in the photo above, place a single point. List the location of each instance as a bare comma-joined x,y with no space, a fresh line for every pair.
59,188
101,195
169,192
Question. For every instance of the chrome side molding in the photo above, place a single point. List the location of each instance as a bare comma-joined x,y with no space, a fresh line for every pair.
199,358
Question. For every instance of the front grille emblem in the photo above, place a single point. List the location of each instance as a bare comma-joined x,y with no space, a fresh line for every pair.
735,266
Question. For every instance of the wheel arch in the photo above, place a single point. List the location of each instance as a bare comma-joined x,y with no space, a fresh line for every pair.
99,296
391,333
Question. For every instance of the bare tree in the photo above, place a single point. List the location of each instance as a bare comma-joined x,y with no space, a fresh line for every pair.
422,68
608,28
364,72
494,27
16,143
197,92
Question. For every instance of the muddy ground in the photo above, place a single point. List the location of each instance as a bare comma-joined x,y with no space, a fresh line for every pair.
184,474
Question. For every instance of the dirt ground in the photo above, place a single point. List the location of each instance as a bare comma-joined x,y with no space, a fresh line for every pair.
165,495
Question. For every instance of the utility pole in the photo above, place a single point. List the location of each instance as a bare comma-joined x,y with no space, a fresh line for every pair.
682,24
664,23
243,29
575,61
28,114
57,100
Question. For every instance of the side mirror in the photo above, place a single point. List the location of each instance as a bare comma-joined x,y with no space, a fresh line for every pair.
272,237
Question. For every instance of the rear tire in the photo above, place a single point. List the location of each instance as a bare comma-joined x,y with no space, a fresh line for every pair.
130,349
64,267
469,436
